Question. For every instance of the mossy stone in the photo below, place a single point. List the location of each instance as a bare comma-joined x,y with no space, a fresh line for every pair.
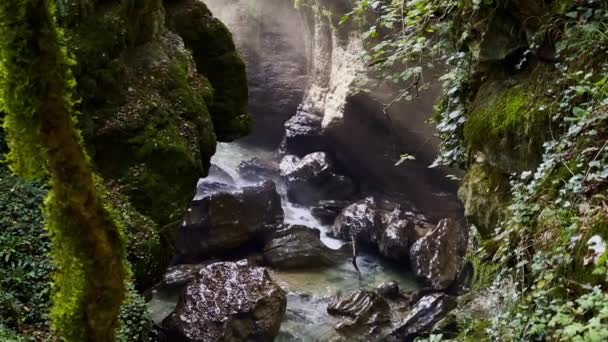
503,123
216,57
485,195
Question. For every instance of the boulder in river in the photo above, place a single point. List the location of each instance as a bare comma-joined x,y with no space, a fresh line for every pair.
326,211
382,225
304,134
438,256
229,302
224,218
297,247
312,179
217,174
365,313
257,170
429,310
389,289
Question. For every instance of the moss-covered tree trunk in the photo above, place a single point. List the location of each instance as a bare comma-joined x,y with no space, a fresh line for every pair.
88,250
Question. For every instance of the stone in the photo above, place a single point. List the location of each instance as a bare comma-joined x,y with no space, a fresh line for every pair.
464,280
363,313
400,230
224,218
179,275
422,317
361,219
217,174
297,247
326,211
229,302
382,225
303,134
437,257
313,179
256,170
389,289
288,164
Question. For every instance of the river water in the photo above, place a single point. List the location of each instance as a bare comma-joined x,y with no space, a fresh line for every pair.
310,290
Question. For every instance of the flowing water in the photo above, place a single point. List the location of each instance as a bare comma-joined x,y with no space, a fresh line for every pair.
310,290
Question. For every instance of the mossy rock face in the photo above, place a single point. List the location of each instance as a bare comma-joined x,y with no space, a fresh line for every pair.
485,195
146,108
505,124
159,142
216,57
145,254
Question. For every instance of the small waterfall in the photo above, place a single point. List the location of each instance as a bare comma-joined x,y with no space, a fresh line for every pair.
228,157
309,290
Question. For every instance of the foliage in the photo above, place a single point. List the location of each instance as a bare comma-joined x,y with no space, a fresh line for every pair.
135,322
37,89
25,265
557,212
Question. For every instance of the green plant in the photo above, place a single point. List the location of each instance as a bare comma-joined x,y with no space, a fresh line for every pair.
135,322
25,264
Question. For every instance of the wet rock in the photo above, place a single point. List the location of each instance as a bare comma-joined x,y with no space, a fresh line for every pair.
297,247
364,312
229,302
257,170
288,164
326,211
303,134
423,316
179,275
400,230
464,280
389,289
224,218
312,179
217,174
361,219
314,168
382,225
438,256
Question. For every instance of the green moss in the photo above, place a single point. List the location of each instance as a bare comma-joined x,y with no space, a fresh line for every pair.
144,251
87,242
503,122
477,332
595,225
167,159
216,58
485,195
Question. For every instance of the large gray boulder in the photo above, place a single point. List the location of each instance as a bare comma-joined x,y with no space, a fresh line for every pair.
313,178
382,225
363,314
437,257
292,247
257,170
304,134
428,311
229,302
223,218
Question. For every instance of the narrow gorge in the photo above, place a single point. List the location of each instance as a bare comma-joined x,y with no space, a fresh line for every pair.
308,170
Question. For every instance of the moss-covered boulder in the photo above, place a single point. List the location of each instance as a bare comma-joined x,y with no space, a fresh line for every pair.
506,122
215,56
149,111
485,195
